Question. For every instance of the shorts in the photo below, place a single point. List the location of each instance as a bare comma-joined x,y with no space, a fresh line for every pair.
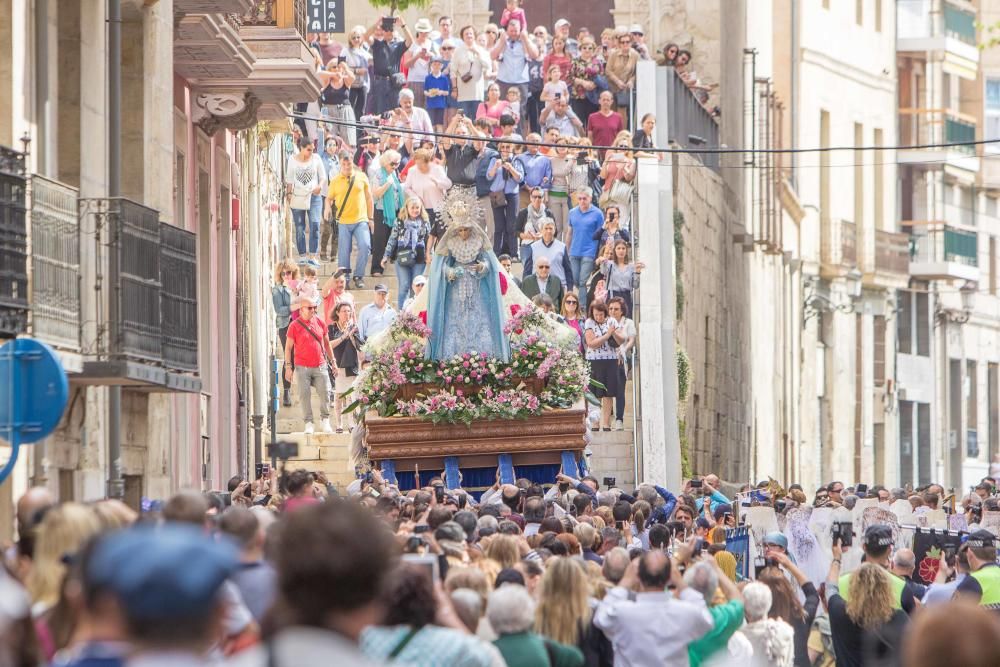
437,116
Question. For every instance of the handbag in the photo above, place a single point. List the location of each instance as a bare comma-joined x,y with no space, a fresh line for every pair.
498,199
406,257
329,363
623,98
467,77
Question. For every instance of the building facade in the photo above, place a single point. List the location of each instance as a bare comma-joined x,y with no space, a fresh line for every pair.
147,291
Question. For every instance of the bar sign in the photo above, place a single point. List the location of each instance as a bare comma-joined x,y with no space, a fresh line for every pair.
326,16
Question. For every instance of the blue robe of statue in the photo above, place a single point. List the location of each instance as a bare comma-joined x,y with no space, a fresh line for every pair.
467,313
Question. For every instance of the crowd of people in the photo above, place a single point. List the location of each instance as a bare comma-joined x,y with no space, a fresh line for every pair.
534,129
283,570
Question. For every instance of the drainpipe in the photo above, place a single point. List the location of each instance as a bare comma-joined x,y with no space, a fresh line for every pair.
116,488
794,64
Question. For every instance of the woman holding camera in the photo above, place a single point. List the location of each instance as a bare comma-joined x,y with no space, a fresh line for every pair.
346,345
407,246
785,601
468,68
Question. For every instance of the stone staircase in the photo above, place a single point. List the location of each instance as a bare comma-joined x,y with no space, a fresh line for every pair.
612,452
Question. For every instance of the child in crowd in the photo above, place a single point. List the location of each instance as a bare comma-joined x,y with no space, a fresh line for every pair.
555,87
513,10
437,88
514,104
308,286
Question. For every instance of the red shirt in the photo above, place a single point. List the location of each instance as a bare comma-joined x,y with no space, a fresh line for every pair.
307,350
604,129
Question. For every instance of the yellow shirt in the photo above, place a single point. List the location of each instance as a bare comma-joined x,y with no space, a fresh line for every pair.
356,208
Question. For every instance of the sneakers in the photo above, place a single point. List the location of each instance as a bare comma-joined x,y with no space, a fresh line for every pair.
325,425
358,283
309,429
619,426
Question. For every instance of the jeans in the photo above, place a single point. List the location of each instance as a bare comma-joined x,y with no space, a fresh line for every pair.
525,251
469,108
283,336
359,97
299,216
380,237
358,232
405,276
310,377
505,221
385,94
582,268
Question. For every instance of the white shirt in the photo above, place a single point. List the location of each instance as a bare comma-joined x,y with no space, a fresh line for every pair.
418,66
653,629
304,177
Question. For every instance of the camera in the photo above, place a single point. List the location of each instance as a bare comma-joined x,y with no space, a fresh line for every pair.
413,543
843,532
609,482
261,470
388,23
439,493
283,450
696,483
581,158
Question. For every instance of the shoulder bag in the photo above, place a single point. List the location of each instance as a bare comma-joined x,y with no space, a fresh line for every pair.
329,362
498,199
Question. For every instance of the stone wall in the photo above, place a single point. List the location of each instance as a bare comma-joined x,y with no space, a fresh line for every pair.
715,325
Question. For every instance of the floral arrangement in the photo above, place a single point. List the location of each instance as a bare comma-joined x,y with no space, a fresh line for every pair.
472,385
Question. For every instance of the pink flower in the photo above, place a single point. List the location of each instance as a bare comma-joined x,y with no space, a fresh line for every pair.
466,364
447,378
458,392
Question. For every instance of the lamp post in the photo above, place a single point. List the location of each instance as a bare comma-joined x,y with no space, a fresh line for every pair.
816,303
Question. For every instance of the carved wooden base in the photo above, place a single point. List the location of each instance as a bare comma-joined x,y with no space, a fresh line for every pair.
405,438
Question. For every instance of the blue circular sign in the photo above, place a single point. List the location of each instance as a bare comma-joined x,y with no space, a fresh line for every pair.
34,390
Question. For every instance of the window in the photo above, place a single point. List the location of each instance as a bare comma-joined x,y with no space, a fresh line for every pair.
992,114
922,323
859,177
879,185
878,28
992,263
904,331
878,349
859,11
972,411
824,167
913,322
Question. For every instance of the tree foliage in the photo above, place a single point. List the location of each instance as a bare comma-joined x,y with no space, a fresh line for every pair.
395,6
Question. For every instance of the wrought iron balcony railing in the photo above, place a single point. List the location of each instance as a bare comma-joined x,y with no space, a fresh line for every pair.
13,245
55,263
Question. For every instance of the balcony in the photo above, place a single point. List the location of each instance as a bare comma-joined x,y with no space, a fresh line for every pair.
838,248
285,70
208,48
153,340
939,26
922,127
891,265
689,123
941,252
13,245
55,267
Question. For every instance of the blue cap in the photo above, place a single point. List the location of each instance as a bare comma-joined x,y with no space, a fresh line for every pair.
163,572
777,539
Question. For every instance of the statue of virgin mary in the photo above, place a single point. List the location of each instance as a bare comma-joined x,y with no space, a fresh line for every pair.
465,311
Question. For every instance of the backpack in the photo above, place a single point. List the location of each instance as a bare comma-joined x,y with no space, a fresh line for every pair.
483,181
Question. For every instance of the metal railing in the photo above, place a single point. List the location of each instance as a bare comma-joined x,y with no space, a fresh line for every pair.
13,245
942,243
179,297
892,252
55,263
933,126
917,19
689,124
135,236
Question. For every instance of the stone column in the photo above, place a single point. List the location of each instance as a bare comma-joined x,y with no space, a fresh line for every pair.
661,455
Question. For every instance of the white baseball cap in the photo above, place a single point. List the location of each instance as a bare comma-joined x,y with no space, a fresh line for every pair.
561,22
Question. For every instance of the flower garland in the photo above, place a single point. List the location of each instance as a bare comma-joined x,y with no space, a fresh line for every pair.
473,385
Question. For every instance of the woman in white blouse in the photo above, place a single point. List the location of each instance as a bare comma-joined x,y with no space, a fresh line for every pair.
428,181
469,66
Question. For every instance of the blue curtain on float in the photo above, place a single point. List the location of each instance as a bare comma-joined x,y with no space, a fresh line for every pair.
477,480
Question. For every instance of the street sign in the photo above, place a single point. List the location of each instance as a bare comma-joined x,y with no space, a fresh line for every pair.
34,391
325,16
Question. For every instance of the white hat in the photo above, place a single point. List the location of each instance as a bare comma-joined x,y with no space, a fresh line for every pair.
420,280
636,29
423,25
561,22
